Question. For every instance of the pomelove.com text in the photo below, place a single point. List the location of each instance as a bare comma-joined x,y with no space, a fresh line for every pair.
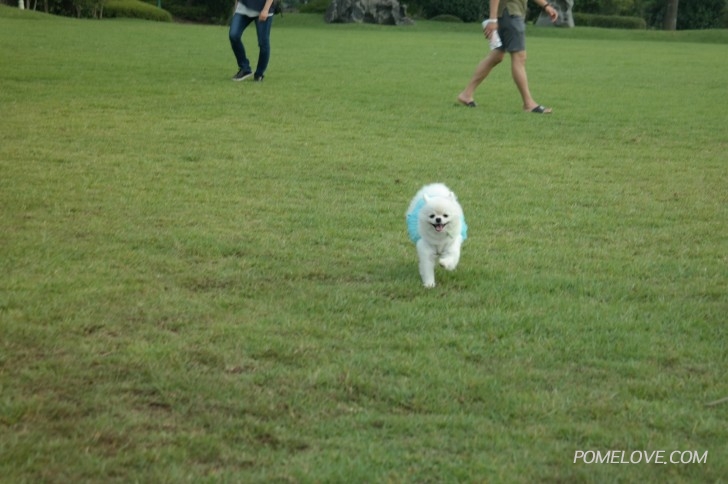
640,457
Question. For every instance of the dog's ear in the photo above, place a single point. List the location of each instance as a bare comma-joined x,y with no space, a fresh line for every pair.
452,196
427,199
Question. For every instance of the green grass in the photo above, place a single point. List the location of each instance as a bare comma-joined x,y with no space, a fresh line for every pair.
208,281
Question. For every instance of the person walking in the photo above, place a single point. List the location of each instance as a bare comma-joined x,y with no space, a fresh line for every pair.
246,12
508,19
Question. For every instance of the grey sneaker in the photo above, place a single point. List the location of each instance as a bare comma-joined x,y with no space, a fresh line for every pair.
258,78
242,75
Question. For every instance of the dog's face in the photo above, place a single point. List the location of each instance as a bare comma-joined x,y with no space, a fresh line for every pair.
438,213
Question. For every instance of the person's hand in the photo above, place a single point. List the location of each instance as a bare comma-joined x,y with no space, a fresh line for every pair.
551,12
490,28
263,16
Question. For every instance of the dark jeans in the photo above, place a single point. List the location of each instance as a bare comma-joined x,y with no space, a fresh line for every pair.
237,26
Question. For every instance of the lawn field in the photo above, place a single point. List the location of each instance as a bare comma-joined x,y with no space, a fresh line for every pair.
210,281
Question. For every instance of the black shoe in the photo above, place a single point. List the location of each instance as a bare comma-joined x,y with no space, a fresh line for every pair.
258,78
242,75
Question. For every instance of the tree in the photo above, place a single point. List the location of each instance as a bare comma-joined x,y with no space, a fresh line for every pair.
21,5
671,15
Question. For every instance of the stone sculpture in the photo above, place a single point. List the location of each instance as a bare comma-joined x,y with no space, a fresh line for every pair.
566,19
383,12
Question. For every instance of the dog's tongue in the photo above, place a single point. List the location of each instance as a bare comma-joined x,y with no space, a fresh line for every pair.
439,227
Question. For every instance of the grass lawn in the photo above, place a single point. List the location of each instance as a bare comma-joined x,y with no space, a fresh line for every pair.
209,281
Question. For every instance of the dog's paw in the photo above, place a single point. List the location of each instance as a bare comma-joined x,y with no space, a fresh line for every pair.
449,263
428,284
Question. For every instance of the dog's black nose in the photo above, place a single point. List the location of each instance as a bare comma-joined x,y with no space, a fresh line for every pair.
438,220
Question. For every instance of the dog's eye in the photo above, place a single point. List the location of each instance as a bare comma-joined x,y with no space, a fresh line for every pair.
432,215
445,215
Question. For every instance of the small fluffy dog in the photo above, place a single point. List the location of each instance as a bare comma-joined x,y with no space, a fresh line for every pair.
436,223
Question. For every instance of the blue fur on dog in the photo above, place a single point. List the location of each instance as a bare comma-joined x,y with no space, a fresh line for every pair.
413,225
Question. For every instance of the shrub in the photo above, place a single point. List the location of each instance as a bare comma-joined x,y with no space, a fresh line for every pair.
467,10
200,11
315,6
608,7
135,9
446,18
193,14
705,14
609,21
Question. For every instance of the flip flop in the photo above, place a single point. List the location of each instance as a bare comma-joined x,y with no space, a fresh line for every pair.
541,110
469,104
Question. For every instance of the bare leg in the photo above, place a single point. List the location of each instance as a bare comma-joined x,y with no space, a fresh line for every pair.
481,72
518,71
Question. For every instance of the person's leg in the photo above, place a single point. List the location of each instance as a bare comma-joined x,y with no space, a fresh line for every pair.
263,31
481,72
513,35
237,26
518,71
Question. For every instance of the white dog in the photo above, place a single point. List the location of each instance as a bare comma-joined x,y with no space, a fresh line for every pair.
436,223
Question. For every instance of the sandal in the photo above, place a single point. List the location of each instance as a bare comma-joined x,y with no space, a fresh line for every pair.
541,110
